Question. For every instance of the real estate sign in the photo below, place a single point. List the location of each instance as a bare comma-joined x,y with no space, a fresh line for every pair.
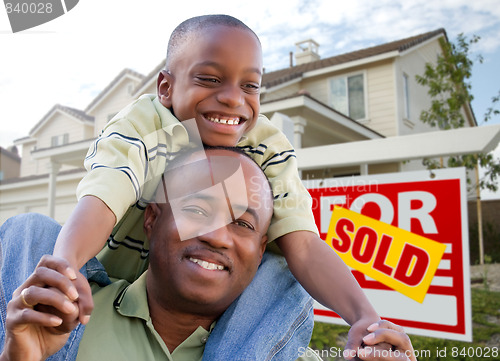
405,237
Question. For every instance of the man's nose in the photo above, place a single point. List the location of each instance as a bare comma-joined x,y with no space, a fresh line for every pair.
231,95
218,238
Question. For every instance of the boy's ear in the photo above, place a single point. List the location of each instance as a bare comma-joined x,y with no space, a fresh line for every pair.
151,215
164,88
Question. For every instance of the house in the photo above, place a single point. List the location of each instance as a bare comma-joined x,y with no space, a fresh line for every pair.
10,163
367,94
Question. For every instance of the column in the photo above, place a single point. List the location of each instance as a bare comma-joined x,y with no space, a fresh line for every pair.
53,170
299,123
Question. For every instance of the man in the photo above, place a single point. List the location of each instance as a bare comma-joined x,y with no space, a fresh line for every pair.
207,233
222,206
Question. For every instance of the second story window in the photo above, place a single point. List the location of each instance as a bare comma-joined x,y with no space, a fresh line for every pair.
61,139
347,95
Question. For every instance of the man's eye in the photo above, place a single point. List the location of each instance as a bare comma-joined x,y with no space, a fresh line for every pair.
195,211
244,224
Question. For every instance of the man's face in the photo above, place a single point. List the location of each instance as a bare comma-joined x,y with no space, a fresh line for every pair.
215,78
206,273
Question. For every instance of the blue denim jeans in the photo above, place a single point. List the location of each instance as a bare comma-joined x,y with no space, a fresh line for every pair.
271,320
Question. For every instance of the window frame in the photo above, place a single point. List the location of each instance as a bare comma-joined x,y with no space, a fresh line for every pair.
365,93
406,96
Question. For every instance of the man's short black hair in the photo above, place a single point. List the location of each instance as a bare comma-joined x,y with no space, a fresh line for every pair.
193,25
185,152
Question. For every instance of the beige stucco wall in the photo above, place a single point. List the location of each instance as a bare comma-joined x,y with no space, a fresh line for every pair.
28,164
31,196
118,97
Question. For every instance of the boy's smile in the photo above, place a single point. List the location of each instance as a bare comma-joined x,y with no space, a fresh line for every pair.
215,78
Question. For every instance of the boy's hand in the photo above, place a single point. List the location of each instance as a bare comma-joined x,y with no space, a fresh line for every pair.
85,300
30,333
82,297
383,333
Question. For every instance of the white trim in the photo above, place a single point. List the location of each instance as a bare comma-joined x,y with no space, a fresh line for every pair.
303,101
350,64
102,97
406,147
140,91
43,180
25,140
281,85
53,113
422,44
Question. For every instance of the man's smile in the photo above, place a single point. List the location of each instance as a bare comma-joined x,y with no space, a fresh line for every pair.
207,265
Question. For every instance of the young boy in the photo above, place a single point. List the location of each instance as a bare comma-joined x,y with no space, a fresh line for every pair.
213,74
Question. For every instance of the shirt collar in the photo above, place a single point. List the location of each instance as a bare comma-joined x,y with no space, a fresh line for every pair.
132,302
170,124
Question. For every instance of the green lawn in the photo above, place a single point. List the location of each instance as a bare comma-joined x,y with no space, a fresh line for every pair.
486,335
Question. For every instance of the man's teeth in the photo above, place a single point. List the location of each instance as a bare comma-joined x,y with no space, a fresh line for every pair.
230,121
207,265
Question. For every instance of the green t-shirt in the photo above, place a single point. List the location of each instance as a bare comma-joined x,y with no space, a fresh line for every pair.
121,329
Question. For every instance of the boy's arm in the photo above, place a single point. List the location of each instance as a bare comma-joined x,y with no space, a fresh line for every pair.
327,279
81,238
85,232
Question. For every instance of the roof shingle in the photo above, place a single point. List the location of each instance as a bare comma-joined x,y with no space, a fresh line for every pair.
284,75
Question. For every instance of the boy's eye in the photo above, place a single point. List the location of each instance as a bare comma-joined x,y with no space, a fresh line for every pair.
252,85
207,79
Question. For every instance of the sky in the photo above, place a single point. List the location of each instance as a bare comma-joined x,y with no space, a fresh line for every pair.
71,59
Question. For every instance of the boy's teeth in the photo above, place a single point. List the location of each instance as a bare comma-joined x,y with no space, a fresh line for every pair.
207,265
231,121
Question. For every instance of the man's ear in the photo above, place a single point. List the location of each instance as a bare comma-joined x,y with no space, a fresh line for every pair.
164,88
151,215
263,244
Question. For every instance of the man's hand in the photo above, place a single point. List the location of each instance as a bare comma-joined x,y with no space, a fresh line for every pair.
385,333
32,334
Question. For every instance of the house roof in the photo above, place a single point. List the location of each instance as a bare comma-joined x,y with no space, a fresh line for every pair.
10,154
153,75
111,85
76,113
284,75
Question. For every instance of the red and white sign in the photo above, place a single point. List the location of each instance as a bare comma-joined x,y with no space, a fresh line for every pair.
434,208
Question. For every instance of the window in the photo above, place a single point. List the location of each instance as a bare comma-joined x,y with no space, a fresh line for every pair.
406,95
57,140
348,95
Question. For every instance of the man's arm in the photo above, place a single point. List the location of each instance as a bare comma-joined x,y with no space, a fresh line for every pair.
32,335
328,280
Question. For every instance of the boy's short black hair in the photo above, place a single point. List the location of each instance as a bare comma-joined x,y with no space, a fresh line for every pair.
197,23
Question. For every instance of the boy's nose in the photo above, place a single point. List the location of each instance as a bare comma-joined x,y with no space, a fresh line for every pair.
231,96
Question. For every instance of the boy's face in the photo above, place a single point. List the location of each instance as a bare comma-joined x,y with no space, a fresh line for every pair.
215,78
